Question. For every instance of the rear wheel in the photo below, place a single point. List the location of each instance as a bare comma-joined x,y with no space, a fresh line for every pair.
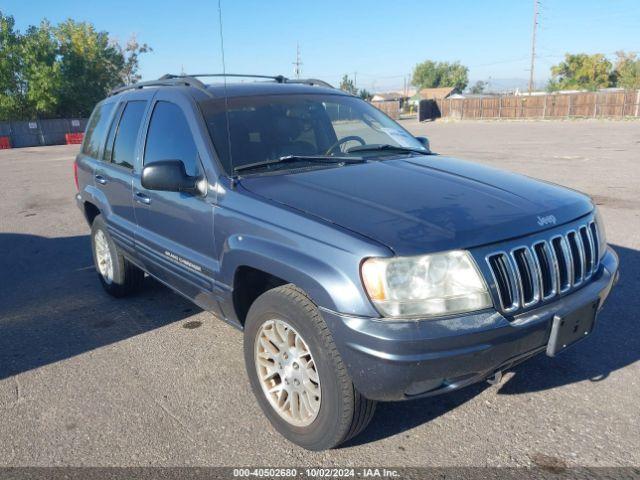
118,276
298,375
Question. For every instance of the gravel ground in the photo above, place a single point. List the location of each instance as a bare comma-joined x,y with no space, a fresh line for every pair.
152,380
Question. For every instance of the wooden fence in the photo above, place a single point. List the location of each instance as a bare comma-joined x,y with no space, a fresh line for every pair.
603,104
391,108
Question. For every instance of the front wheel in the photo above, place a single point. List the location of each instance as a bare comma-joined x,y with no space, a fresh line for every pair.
298,375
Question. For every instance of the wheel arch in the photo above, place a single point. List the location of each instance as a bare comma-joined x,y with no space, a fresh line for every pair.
91,211
272,264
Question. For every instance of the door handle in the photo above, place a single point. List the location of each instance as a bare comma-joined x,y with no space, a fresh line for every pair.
100,179
142,198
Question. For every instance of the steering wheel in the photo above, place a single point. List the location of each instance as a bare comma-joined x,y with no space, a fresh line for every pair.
343,140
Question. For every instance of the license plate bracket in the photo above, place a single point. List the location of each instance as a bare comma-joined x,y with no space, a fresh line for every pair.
568,329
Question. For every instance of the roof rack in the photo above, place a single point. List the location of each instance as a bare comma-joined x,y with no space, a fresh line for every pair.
310,81
191,81
277,78
165,80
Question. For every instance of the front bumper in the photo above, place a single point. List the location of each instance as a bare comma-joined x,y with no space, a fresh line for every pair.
397,360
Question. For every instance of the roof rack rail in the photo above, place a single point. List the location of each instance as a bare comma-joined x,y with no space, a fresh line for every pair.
191,81
277,78
310,81
165,80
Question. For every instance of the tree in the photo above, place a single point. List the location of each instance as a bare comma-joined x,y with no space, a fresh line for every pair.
63,70
365,94
627,70
430,74
347,85
40,71
131,54
91,65
11,95
581,71
478,87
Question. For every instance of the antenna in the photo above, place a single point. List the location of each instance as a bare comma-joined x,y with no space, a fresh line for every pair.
298,63
533,43
224,72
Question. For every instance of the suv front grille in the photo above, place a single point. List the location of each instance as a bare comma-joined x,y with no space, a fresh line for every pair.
532,273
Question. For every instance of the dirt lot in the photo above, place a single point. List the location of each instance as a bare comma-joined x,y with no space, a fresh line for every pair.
151,380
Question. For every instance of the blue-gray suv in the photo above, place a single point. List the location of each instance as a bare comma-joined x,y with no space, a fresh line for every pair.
360,266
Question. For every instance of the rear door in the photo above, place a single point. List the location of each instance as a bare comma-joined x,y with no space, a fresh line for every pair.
175,230
113,176
91,151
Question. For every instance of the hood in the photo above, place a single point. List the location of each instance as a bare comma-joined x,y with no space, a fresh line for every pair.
425,204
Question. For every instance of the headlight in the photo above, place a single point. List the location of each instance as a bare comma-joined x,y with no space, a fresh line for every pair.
602,237
425,286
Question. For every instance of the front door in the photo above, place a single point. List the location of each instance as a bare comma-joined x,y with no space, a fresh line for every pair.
174,236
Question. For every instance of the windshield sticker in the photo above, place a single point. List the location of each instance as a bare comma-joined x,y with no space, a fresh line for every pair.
401,138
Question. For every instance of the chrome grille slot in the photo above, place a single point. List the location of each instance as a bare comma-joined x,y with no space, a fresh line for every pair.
577,255
596,244
546,268
527,275
587,245
504,278
564,262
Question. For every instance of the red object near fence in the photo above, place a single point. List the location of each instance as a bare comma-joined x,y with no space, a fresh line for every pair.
73,138
5,143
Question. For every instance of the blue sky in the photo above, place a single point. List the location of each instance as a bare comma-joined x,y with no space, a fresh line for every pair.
381,41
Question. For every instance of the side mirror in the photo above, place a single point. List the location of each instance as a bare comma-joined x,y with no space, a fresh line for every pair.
169,176
425,142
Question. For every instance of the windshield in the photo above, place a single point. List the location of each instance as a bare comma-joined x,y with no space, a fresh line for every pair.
265,128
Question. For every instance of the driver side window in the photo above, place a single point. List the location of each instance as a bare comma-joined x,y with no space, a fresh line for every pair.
169,138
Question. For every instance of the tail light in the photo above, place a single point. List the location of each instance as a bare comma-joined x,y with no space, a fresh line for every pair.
75,174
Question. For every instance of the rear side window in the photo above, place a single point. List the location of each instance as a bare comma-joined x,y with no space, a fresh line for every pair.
170,138
124,147
96,130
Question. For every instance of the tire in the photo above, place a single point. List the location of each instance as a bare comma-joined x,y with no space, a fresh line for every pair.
121,277
343,412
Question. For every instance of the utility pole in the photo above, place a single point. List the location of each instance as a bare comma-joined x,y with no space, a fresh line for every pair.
298,63
533,44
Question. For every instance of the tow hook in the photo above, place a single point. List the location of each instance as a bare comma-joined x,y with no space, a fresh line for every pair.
495,379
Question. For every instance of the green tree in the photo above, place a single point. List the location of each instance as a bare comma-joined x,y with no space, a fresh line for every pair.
365,94
430,74
347,85
627,70
61,70
11,94
581,71
90,64
478,87
40,71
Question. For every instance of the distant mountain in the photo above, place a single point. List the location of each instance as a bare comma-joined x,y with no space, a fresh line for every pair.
510,84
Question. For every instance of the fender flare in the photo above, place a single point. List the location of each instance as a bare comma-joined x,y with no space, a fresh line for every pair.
327,285
94,195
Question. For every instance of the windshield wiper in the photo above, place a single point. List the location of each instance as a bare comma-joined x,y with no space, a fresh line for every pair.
377,147
301,158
